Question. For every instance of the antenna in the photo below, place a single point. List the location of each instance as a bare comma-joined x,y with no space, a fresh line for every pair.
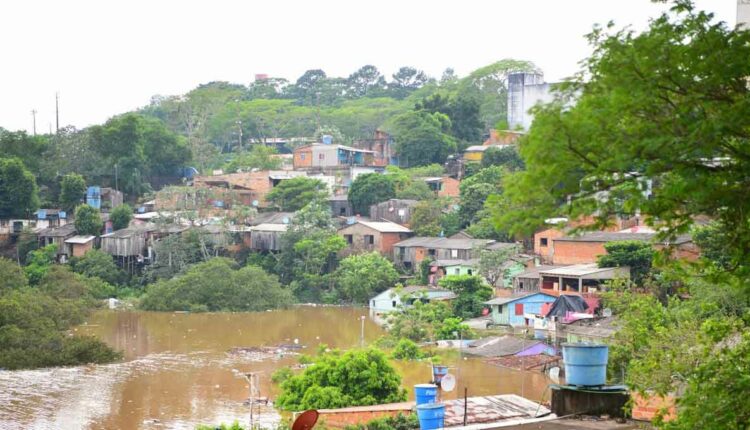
57,113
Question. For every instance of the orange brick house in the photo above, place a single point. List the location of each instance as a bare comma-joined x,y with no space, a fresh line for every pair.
588,247
444,186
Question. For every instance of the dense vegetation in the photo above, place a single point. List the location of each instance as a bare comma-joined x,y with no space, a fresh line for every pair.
655,123
35,318
352,378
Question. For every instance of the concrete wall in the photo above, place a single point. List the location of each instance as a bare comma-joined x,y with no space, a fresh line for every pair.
525,90
743,13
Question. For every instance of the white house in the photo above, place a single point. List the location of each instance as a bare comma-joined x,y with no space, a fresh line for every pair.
391,299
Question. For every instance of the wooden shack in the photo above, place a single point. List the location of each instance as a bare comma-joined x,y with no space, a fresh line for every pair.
393,210
57,236
267,237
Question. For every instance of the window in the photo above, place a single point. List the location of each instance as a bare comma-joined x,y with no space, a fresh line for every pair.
456,271
520,285
349,238
470,272
454,253
302,156
342,211
519,308
369,239
321,156
543,241
393,303
431,252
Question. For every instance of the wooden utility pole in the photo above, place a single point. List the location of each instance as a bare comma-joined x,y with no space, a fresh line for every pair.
33,116
57,113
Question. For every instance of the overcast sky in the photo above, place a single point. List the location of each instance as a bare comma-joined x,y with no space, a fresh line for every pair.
105,57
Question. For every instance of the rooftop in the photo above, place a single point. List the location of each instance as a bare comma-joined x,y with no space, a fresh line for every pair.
628,234
384,226
499,346
534,272
130,232
442,242
272,218
62,231
448,263
511,299
80,239
270,227
585,270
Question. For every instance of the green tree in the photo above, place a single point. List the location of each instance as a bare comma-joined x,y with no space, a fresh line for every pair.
361,276
661,111
506,157
415,190
18,191
629,253
259,157
354,378
293,194
492,263
425,219
367,81
463,111
407,350
39,261
712,239
98,264
88,220
121,216
13,277
215,285
475,190
370,189
422,138
471,293
405,81
72,191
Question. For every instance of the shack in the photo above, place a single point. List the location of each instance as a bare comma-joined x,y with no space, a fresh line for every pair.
393,298
512,310
57,236
129,245
409,253
393,210
340,206
373,236
267,237
77,246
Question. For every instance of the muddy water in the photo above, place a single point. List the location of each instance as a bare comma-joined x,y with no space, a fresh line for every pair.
177,372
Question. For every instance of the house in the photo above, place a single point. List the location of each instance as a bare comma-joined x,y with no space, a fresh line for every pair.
128,245
587,247
57,236
267,237
247,188
393,298
529,280
443,186
411,252
512,310
374,235
103,198
382,147
442,268
579,278
77,246
394,210
340,206
321,156
42,219
271,218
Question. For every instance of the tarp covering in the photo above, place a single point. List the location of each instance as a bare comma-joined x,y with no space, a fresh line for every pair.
567,303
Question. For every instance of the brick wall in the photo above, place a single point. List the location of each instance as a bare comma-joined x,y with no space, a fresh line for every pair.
546,251
576,252
646,408
302,157
449,187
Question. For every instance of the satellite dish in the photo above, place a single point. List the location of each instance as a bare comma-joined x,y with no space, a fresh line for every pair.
448,383
607,312
285,220
306,420
255,203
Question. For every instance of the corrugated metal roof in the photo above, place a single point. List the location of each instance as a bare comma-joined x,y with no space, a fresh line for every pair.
442,242
606,236
504,300
448,263
498,346
62,231
269,227
385,227
80,239
578,270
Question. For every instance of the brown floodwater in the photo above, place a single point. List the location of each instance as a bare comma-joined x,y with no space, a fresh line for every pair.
177,371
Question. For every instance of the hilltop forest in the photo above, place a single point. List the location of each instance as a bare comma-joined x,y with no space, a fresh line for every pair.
218,122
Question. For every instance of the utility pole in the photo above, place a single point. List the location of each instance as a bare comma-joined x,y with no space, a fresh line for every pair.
362,333
57,113
33,116
239,124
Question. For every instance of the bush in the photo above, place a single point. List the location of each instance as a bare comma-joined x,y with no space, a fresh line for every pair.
407,350
121,216
215,285
88,220
355,378
99,264
399,422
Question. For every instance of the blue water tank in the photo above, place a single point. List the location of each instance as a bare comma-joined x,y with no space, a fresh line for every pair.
438,372
425,393
431,416
327,139
585,363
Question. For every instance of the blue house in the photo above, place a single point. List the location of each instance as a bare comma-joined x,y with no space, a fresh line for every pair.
510,310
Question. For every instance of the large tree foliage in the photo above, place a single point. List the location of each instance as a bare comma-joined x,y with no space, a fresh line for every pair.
370,189
121,216
463,111
88,221
665,108
354,378
471,293
294,194
215,285
475,190
506,157
98,264
362,276
422,138
18,191
72,191
259,157
636,255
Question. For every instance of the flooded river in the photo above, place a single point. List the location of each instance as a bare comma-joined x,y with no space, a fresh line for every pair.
177,372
